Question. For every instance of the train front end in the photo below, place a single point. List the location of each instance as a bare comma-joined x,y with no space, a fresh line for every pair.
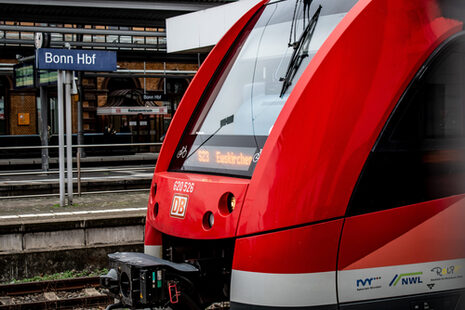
248,203
217,140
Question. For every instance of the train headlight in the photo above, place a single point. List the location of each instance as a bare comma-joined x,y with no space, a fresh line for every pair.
155,209
227,204
231,202
208,220
154,189
211,219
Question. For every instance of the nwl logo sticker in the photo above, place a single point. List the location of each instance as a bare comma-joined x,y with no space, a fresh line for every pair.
179,206
407,279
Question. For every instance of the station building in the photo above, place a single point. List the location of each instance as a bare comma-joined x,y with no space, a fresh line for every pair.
135,103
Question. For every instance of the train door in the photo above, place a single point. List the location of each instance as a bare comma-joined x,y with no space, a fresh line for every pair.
403,241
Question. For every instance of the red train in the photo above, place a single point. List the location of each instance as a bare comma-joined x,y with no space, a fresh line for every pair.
316,161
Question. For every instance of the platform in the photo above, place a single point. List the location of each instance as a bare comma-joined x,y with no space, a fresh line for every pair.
38,236
32,210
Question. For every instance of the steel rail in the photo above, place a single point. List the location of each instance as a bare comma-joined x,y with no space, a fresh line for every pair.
79,146
108,45
83,193
156,46
76,170
182,72
118,144
68,303
185,6
7,148
13,289
156,71
82,31
22,289
126,74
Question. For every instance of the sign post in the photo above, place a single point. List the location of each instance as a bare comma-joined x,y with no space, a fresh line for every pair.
61,138
69,136
65,61
44,126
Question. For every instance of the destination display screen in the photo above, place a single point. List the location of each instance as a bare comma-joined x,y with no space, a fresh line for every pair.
221,157
24,75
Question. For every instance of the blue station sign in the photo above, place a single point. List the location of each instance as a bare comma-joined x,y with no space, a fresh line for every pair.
75,60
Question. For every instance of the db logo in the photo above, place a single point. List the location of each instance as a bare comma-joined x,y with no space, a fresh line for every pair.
179,206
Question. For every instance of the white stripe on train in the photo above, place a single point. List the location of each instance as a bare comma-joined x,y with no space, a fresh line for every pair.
285,290
154,250
318,289
391,281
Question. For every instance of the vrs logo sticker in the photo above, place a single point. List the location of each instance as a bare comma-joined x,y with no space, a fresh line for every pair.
179,206
368,283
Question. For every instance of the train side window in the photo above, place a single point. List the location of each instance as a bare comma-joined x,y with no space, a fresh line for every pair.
420,155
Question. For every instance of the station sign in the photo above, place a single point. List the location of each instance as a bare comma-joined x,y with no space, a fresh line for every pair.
156,96
132,110
75,60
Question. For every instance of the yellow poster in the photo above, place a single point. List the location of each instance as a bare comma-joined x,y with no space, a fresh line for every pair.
23,119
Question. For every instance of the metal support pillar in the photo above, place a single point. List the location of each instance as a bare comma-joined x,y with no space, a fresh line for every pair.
69,135
80,136
164,79
145,80
61,137
44,127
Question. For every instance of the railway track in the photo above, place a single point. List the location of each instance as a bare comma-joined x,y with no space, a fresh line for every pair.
54,294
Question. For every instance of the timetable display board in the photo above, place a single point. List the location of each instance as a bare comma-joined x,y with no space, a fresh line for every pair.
24,75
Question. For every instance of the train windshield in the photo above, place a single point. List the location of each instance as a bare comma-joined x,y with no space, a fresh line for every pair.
229,129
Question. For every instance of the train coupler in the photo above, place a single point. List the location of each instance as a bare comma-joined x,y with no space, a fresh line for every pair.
141,280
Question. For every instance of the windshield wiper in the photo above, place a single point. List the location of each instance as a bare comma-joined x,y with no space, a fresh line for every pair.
300,51
225,121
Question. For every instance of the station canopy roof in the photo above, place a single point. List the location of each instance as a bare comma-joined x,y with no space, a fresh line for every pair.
105,12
